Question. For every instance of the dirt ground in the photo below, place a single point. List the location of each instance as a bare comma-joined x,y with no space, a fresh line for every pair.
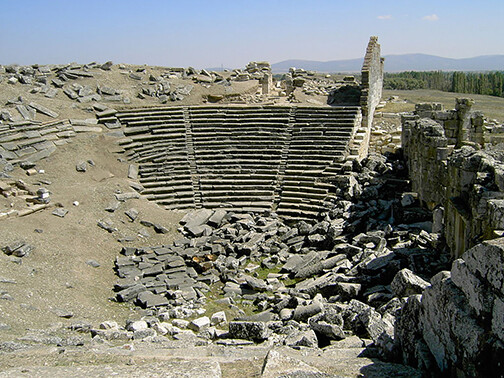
56,276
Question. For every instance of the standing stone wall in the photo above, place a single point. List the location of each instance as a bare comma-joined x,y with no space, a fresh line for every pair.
450,172
371,91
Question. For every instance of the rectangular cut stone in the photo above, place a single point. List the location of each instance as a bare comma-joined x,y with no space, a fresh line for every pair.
87,129
486,260
25,113
66,134
41,154
51,93
479,298
43,110
132,172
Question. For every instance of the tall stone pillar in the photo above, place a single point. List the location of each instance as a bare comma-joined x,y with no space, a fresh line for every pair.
266,83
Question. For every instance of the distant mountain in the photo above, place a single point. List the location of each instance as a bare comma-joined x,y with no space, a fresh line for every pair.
396,63
349,65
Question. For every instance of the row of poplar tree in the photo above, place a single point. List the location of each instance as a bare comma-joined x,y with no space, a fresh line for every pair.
486,83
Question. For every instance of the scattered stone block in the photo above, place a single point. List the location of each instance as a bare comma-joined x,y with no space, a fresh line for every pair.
60,212
107,225
93,263
112,206
132,214
255,331
302,339
218,318
406,283
199,324
132,172
43,110
137,325
278,364
148,299
81,166
122,197
18,248
62,313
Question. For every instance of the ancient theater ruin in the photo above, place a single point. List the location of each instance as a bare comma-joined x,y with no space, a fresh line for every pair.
245,221
249,158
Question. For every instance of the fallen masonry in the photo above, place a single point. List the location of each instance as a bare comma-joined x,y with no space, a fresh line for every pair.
295,237
300,284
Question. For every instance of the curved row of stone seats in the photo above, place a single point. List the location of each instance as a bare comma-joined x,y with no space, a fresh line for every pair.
239,141
149,152
158,144
319,139
239,157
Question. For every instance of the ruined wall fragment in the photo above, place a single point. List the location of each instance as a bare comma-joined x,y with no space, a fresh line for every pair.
450,171
371,91
459,318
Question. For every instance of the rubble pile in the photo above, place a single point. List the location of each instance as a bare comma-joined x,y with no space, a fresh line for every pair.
50,80
309,283
24,199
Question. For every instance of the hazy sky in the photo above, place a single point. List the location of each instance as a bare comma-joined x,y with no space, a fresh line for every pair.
211,33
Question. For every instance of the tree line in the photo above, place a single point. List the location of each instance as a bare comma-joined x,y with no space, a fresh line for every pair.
486,83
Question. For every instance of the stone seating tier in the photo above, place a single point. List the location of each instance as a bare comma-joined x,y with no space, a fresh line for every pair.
248,158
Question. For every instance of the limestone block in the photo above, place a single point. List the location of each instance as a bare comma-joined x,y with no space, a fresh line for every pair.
196,218
144,333
499,178
374,325
408,330
496,213
278,363
137,325
199,323
218,318
302,313
477,294
435,333
302,338
406,283
257,331
498,318
487,261
449,329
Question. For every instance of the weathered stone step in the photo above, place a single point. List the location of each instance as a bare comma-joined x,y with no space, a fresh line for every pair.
297,213
304,189
236,162
178,206
244,192
175,195
254,176
143,116
219,157
160,176
241,205
237,131
245,120
314,146
302,194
